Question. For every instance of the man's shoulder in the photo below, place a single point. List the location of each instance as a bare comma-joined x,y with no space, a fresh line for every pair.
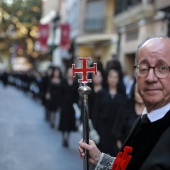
160,154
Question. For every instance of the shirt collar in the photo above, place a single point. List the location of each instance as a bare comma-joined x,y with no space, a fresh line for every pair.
158,113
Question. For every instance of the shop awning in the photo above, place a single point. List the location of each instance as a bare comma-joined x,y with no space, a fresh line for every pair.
87,39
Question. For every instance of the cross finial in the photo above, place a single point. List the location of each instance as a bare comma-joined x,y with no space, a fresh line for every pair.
84,70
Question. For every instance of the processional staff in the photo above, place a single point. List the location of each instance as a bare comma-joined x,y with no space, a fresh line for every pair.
84,90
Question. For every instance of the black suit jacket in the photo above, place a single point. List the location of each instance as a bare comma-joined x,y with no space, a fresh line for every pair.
159,157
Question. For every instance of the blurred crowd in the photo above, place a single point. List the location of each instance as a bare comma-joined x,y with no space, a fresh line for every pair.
114,102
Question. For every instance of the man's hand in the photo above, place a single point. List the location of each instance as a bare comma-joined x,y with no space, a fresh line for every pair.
94,152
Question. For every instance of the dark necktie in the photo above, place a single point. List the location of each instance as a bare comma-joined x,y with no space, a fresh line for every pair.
145,119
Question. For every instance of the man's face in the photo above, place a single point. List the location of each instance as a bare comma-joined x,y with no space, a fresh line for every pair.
154,91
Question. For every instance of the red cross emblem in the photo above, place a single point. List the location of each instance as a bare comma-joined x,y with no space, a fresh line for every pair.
84,70
122,159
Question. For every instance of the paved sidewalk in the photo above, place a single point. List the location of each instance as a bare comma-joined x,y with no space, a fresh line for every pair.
26,141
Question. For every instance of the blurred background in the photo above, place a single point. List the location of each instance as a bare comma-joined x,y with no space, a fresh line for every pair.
37,36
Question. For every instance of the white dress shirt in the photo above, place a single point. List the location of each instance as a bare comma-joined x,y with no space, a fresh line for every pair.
157,114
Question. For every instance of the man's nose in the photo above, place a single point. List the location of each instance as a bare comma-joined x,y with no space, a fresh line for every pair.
151,75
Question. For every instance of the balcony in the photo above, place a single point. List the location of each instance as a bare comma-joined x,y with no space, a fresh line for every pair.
94,25
134,14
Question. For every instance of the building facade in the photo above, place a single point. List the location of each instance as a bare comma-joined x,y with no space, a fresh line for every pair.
97,37
137,20
104,29
62,17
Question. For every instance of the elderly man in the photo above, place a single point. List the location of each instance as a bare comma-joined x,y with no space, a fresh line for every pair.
147,146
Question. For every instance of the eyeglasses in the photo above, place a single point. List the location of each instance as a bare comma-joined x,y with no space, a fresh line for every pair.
160,71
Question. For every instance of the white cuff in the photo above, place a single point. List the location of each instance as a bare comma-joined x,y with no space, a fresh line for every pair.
99,161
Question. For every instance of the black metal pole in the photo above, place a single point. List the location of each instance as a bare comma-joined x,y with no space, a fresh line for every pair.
84,91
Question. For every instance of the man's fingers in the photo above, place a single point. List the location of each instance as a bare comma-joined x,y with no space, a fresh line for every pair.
84,145
81,152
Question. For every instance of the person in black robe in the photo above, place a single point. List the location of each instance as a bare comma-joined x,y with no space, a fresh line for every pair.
45,81
45,100
5,78
96,85
53,95
69,96
39,83
107,105
128,113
